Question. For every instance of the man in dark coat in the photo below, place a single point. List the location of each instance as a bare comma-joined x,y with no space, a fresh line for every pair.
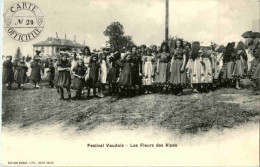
8,72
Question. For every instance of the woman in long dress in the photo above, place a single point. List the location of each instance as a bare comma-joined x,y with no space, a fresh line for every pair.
126,77
103,74
178,72
79,72
162,67
35,77
148,70
228,66
86,59
255,66
194,62
207,70
113,73
64,78
8,72
240,64
136,70
21,71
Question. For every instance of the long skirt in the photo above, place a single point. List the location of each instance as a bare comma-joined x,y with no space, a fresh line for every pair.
35,74
196,71
64,79
206,76
103,75
8,75
20,76
228,71
148,72
238,71
113,75
78,83
162,76
126,76
50,76
177,77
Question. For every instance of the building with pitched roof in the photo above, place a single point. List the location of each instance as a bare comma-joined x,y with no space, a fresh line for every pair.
52,46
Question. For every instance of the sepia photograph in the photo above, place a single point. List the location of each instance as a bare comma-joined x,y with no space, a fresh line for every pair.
130,82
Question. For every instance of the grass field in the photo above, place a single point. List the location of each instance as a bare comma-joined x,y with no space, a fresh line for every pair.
190,113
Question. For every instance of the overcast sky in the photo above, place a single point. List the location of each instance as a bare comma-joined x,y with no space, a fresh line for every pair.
144,20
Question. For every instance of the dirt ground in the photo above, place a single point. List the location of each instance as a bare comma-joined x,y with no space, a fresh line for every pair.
190,113
220,128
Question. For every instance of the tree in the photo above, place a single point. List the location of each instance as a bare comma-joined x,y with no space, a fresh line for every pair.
117,38
18,54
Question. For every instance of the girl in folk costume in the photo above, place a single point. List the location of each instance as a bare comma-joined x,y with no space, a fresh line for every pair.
194,76
93,74
21,71
177,68
103,73
206,71
126,77
113,72
255,66
86,58
64,78
8,72
79,72
28,61
148,70
240,63
136,69
162,66
197,67
228,60
50,73
36,71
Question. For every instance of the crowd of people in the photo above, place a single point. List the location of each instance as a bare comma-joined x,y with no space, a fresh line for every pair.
132,71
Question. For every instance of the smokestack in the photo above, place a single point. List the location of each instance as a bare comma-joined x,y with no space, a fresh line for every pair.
74,38
65,36
57,35
84,43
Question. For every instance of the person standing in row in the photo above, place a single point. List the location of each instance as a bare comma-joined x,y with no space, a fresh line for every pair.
136,70
195,71
177,68
228,59
206,67
21,73
126,77
162,67
79,72
240,64
103,74
64,78
93,75
148,70
113,73
36,71
8,72
50,73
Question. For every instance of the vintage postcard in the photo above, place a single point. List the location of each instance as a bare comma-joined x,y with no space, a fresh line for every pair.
130,82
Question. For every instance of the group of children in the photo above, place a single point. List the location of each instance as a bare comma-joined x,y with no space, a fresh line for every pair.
140,70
